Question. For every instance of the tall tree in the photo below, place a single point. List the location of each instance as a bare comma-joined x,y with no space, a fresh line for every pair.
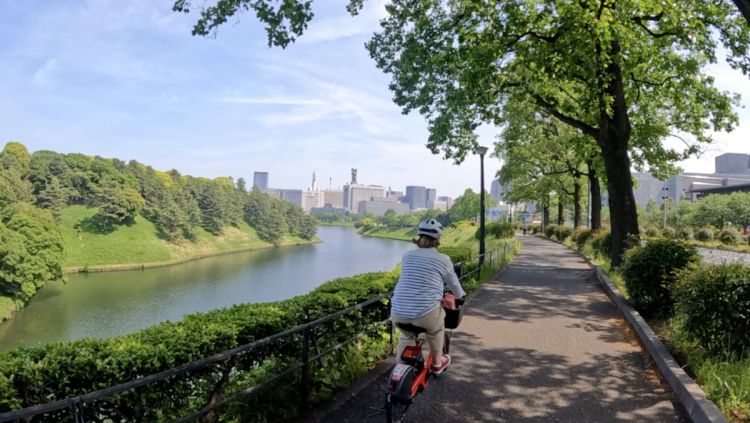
628,73
53,197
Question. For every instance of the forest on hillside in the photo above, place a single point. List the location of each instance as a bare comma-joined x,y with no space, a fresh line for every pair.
36,187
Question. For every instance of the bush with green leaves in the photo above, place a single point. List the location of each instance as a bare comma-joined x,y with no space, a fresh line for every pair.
563,232
550,230
534,228
581,237
601,242
714,301
684,233
38,375
497,230
651,271
457,253
729,237
704,234
668,232
652,231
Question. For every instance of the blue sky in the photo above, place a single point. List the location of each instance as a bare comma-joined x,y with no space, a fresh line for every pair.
127,80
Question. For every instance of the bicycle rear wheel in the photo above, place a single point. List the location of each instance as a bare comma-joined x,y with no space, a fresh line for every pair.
447,342
395,410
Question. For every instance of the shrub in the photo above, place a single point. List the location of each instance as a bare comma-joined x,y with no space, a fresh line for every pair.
550,230
456,253
581,236
684,233
601,242
704,234
563,232
668,232
652,231
534,228
31,376
501,230
650,273
714,300
728,237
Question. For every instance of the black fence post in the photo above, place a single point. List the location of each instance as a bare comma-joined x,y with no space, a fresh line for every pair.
305,388
390,337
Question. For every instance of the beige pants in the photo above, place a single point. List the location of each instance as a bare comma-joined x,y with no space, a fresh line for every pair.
434,322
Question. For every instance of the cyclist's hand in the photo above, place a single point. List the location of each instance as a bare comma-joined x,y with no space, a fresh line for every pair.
460,301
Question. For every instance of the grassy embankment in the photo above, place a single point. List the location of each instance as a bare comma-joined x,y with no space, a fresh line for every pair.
724,378
460,233
139,246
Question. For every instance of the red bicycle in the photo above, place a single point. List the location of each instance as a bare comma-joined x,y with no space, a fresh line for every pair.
411,378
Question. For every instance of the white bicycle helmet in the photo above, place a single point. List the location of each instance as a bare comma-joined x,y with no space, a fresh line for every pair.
430,227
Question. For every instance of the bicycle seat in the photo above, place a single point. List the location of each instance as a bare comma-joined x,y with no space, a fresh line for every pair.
411,328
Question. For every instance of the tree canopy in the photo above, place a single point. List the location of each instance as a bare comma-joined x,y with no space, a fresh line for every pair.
627,73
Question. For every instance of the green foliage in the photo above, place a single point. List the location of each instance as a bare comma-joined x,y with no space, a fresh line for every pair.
31,251
117,205
15,157
705,234
652,231
684,233
728,237
581,237
601,243
563,232
496,230
7,307
715,300
534,228
550,230
651,271
53,197
457,253
466,207
668,232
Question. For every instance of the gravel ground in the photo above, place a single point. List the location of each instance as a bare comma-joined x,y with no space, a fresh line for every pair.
722,256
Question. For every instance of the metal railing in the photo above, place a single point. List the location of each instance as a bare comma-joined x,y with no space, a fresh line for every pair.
98,406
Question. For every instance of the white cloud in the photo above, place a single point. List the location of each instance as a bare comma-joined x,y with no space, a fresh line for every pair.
44,74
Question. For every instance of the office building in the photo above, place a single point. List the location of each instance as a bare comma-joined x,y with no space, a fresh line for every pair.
334,197
496,191
293,196
440,205
430,198
733,164
448,201
378,207
732,169
260,181
355,193
394,194
312,199
416,197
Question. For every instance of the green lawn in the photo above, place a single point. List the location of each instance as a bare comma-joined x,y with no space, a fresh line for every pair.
140,243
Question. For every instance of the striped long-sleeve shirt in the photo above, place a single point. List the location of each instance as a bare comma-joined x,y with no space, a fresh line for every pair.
419,289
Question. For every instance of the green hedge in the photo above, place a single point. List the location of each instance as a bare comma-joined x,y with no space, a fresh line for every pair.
581,237
715,302
457,253
651,271
601,243
550,230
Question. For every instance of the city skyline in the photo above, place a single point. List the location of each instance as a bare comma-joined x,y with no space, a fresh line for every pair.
132,83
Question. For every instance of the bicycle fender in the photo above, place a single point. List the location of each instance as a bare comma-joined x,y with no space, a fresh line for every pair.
400,381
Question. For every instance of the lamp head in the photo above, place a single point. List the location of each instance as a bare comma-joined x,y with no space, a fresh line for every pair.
482,150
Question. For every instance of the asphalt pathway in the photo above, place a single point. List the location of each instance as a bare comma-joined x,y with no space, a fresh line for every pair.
539,343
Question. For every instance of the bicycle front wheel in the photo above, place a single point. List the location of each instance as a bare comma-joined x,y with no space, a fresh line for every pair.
395,410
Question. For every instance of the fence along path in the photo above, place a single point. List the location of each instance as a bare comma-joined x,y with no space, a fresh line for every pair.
539,343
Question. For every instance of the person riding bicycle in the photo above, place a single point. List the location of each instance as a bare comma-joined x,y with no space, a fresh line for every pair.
419,291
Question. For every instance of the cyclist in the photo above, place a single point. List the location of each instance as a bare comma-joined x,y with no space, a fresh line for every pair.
419,291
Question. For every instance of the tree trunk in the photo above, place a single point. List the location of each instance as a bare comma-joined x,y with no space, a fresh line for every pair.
545,214
576,203
560,211
613,139
595,198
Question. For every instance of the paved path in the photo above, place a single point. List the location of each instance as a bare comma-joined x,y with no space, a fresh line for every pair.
541,343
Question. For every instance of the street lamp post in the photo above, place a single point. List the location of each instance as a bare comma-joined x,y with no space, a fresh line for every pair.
482,151
664,198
